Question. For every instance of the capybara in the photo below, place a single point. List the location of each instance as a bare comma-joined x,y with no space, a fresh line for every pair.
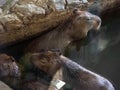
76,76
8,66
75,27
10,72
42,72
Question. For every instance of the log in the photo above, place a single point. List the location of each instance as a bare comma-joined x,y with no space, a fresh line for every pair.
24,19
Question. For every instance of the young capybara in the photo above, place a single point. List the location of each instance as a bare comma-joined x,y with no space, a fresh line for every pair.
10,72
78,77
8,66
39,74
75,27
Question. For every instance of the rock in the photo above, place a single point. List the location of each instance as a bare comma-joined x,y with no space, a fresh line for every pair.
48,5
3,86
28,9
7,5
71,4
2,2
11,21
59,4
24,19
31,27
50,16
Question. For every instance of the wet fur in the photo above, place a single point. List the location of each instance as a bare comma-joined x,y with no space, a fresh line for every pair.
78,77
43,68
75,27
10,72
8,66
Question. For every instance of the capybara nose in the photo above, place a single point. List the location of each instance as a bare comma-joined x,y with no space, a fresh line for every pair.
97,24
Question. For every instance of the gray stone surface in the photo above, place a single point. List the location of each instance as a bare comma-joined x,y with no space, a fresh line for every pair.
2,2
3,86
59,4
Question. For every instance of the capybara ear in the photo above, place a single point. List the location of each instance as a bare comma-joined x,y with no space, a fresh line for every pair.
12,58
77,11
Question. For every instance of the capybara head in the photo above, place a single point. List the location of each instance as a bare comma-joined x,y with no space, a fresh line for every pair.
8,66
83,22
47,61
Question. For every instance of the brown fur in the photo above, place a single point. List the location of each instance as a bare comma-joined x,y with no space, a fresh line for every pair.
8,66
35,85
9,71
46,66
78,77
75,27
43,61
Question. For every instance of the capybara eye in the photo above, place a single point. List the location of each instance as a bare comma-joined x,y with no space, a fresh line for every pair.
60,53
75,10
88,19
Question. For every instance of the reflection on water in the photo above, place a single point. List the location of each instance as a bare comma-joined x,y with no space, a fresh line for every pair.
100,53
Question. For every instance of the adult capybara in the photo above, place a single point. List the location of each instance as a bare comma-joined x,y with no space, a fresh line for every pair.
75,27
76,76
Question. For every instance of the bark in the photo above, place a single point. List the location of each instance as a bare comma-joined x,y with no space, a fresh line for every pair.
24,19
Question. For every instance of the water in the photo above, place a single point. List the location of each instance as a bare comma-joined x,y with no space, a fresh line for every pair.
100,52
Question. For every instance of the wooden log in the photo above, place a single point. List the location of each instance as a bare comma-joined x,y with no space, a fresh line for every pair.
20,23
24,19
